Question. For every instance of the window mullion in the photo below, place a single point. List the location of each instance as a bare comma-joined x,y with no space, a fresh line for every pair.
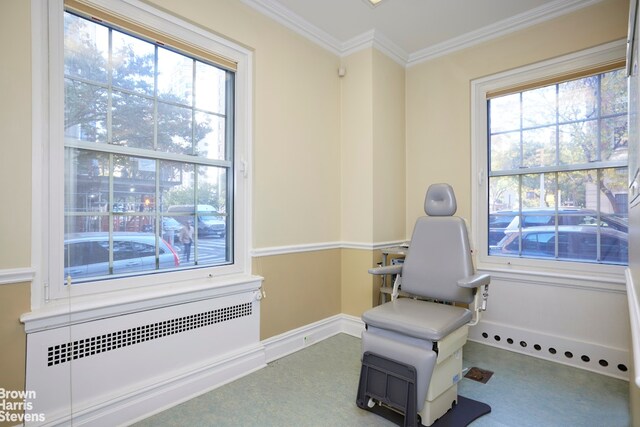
193,107
155,98
142,152
111,213
110,88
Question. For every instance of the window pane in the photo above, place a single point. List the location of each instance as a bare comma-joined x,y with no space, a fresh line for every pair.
132,121
538,191
175,77
86,255
504,204
539,107
539,147
210,88
86,49
614,93
577,99
174,129
210,136
134,184
133,223
505,151
133,63
579,142
614,138
577,189
613,185
504,113
86,181
213,227
177,187
85,115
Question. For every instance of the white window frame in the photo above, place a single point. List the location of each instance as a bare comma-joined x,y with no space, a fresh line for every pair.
48,288
544,270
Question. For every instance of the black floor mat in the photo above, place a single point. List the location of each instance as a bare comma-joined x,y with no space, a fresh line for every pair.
463,414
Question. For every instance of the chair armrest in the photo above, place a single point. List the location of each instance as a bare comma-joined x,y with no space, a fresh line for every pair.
387,269
475,281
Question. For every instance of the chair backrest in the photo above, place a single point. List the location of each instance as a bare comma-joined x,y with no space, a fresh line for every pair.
439,254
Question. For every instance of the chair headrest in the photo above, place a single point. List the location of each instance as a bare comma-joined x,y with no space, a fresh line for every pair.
440,200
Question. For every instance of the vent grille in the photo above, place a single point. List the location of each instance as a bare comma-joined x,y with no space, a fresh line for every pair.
79,349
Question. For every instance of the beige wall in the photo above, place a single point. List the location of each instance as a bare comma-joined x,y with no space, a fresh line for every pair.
15,174
15,138
301,288
14,300
356,100
388,149
359,290
438,94
373,148
373,169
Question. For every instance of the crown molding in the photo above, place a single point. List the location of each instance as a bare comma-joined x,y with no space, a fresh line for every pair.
499,29
284,16
374,38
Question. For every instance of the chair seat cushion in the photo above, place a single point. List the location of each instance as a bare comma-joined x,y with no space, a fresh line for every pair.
420,319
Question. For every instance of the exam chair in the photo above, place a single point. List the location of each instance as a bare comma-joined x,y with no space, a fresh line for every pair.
412,347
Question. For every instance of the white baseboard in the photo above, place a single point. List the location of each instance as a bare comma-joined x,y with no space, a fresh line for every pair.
613,362
297,339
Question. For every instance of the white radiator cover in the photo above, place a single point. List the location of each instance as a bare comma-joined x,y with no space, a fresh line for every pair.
113,370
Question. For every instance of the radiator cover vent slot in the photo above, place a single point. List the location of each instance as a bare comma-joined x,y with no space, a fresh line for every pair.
86,347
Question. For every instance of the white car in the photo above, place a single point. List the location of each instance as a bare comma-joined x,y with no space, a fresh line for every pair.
86,255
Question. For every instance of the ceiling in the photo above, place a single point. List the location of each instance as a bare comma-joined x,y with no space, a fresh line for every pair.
410,30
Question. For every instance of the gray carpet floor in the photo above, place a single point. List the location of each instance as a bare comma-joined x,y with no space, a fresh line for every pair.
317,387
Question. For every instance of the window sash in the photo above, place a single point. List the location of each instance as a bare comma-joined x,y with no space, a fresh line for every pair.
48,160
554,122
546,271
89,220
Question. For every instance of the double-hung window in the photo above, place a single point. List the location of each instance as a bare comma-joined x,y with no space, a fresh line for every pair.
556,168
148,151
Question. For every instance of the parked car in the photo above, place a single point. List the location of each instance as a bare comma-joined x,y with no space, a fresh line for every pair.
210,222
501,222
87,254
575,243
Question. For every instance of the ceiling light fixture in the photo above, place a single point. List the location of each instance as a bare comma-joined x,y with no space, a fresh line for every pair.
373,3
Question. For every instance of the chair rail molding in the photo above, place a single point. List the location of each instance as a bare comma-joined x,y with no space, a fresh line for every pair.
10,276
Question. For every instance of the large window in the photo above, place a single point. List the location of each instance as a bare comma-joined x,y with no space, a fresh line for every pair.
148,155
557,171
141,155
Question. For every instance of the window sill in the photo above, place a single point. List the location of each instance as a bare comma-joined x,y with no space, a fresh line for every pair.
604,278
66,312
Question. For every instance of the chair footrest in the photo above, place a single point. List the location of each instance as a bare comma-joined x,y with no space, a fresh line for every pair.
390,383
